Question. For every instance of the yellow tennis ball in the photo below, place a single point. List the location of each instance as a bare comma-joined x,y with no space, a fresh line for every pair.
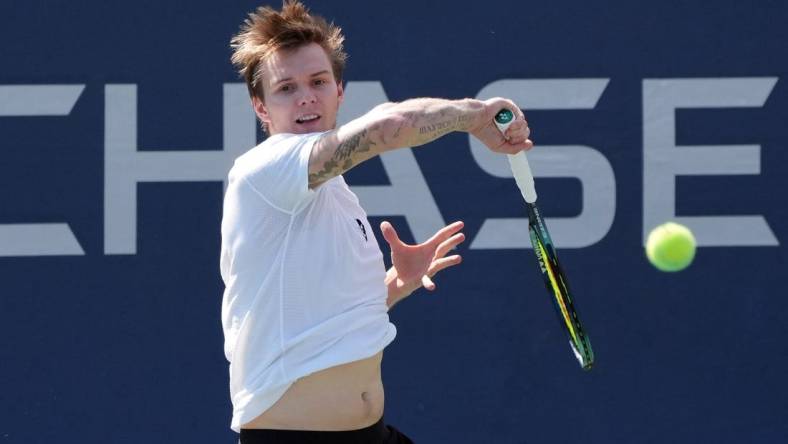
670,247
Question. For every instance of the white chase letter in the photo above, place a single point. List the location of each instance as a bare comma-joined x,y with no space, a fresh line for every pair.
408,195
125,165
582,162
663,160
41,239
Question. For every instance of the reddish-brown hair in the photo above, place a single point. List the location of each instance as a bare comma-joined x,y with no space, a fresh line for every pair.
267,30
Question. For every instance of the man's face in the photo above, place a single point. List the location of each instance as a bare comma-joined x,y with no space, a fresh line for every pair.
301,94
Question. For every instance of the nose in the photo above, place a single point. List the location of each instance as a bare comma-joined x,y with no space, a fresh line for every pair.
307,96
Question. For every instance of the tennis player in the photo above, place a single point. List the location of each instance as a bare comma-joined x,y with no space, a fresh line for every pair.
305,308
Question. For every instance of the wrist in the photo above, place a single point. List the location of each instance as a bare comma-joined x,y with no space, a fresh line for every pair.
396,288
472,116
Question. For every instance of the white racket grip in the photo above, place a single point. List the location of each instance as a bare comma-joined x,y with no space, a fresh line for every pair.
521,171
518,162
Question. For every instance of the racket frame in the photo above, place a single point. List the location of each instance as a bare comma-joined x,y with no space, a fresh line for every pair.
552,274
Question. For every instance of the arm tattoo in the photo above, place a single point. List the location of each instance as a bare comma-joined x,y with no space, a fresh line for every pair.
439,128
408,124
435,126
344,158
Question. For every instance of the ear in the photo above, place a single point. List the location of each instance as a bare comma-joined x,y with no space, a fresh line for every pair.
262,111
340,93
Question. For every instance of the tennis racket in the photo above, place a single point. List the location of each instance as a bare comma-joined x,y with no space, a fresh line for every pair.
552,274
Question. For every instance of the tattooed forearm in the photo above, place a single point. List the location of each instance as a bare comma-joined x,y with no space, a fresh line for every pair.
347,154
435,118
395,125
440,127
465,120
431,127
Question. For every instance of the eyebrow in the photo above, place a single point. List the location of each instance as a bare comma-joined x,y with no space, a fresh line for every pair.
287,79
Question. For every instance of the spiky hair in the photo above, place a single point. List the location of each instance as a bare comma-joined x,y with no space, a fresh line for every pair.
267,30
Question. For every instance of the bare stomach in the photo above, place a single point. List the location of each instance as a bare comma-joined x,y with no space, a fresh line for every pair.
346,397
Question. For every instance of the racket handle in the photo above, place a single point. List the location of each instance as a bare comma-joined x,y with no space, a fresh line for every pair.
521,170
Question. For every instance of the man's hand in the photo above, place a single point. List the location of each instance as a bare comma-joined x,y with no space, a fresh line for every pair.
413,266
516,137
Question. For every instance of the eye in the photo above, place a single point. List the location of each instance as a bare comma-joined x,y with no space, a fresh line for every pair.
319,82
286,88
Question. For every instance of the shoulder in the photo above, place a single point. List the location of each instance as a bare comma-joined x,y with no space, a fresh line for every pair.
277,146
274,149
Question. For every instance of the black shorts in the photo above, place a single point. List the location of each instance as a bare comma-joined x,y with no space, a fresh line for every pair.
378,433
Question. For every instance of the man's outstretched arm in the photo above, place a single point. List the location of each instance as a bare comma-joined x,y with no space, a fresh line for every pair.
408,124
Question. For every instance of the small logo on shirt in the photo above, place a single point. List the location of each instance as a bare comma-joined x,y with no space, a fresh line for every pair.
363,230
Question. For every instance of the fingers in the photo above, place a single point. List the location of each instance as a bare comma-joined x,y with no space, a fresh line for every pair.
446,232
518,131
389,233
444,235
513,148
437,266
449,244
495,104
517,136
427,283
445,262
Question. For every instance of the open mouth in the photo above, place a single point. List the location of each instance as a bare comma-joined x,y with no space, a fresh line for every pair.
307,118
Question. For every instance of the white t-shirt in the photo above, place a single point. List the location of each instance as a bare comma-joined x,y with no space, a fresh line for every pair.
303,273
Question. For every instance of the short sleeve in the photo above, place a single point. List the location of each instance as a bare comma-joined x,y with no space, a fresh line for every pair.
278,169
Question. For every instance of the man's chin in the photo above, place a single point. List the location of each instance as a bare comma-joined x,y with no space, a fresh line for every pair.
317,126
306,129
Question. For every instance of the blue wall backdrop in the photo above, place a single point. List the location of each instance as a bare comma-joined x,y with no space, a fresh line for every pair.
119,121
